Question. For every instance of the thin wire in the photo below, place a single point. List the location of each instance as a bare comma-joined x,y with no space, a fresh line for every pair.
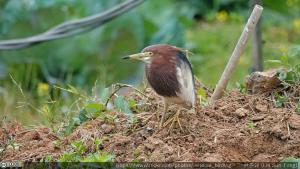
71,28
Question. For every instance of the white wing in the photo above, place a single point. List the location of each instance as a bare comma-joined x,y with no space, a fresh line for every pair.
186,81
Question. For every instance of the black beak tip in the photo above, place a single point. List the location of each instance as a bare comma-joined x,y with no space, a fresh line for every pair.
125,57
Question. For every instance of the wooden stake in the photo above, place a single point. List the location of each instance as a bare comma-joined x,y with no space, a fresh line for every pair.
237,52
257,43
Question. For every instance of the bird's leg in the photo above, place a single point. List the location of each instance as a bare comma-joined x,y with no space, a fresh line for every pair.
174,119
166,105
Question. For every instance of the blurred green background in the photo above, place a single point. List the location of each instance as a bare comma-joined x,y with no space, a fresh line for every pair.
208,28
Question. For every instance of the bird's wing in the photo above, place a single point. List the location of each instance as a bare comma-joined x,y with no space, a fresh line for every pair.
186,79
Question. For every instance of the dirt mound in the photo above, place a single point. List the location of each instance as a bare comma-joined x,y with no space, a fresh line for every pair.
238,127
26,145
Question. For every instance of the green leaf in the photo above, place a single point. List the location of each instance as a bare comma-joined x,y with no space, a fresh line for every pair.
284,59
72,89
279,100
201,93
294,51
202,96
79,147
122,105
274,61
94,108
73,122
251,125
104,157
83,115
241,87
104,95
297,68
131,103
69,157
97,143
282,75
99,157
291,76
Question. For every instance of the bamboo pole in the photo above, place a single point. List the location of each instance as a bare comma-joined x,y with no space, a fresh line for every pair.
257,43
237,52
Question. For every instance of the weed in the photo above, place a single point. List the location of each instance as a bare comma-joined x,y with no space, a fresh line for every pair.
79,153
133,105
290,74
47,158
251,125
242,88
202,97
97,107
280,100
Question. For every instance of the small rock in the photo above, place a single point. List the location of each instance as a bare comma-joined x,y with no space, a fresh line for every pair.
122,140
258,117
167,149
155,141
32,135
261,157
156,155
149,146
106,128
190,138
212,157
259,82
241,112
150,129
261,107
294,121
278,132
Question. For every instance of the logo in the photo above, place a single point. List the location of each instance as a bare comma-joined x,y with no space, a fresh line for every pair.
3,165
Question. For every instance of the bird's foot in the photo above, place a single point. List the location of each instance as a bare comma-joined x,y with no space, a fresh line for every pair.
172,120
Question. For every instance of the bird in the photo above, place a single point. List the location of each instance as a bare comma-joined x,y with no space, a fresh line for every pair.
170,75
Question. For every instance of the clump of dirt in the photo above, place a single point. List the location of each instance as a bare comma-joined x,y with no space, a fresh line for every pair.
238,127
28,145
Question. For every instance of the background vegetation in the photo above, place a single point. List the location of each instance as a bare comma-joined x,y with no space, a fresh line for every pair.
208,28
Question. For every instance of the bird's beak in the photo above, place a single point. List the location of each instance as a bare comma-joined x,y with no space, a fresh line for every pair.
138,56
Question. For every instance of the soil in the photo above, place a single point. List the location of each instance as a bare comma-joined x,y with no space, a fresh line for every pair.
238,127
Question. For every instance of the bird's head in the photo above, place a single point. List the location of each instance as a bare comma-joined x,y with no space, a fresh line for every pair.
144,56
154,51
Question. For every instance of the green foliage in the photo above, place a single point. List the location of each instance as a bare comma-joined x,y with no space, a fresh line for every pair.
94,107
251,125
121,104
209,29
100,49
242,87
202,96
79,153
291,72
133,104
280,100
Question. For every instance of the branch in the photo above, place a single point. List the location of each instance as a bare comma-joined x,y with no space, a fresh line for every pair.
119,86
237,52
71,28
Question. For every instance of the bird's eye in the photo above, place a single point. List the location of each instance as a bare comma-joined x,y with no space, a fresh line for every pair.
150,53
